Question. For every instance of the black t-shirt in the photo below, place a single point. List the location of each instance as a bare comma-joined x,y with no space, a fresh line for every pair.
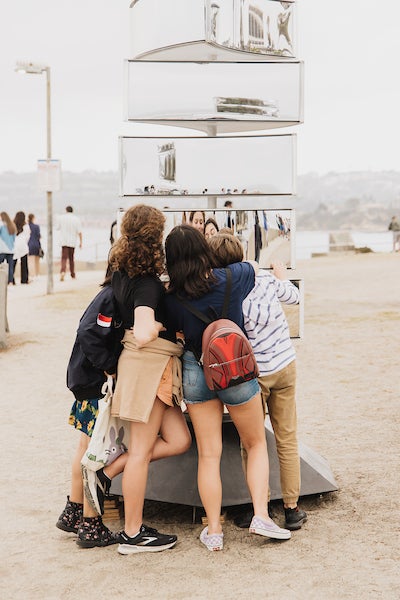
142,290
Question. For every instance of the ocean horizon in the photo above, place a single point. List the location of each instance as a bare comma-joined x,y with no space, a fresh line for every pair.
96,243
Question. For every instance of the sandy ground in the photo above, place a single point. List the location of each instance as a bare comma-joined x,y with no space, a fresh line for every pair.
348,408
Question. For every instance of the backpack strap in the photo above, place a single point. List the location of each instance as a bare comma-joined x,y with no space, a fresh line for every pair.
224,315
227,296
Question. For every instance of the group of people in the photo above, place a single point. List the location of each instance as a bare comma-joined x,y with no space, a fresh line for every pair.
20,241
138,330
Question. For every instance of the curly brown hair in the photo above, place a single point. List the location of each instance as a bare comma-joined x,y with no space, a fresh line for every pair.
139,249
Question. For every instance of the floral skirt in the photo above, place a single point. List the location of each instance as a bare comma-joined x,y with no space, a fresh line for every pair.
83,415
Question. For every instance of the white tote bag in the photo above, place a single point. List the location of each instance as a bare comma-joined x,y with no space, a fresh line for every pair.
109,435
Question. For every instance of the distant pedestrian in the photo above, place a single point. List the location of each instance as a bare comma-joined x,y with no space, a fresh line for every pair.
21,249
71,230
34,246
7,241
394,226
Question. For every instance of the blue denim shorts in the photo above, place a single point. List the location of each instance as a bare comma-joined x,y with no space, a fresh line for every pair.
196,391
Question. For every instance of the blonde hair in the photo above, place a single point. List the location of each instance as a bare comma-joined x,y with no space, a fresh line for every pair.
226,249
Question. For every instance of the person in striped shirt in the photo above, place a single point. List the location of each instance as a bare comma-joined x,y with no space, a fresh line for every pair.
268,332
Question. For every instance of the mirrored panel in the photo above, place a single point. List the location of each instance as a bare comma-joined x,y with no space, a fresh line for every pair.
207,166
295,312
213,29
266,235
217,97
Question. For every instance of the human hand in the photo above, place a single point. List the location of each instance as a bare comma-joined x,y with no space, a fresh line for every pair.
279,269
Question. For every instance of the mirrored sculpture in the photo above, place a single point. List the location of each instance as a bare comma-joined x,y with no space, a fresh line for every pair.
191,30
215,97
206,166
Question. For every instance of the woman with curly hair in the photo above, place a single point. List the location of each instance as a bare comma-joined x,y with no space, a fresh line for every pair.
148,389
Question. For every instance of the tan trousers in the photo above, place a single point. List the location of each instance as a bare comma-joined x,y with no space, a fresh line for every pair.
278,392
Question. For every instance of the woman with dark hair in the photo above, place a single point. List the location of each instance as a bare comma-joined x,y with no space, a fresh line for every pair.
149,372
21,248
210,228
7,241
34,246
193,278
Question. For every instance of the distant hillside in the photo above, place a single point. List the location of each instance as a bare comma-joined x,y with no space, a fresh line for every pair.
362,200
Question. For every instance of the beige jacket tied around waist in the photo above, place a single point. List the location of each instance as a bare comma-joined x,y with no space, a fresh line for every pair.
139,375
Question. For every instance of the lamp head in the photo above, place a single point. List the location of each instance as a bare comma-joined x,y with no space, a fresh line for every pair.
29,67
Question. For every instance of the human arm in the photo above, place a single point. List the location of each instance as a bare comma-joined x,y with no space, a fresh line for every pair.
146,328
80,239
287,292
97,334
254,264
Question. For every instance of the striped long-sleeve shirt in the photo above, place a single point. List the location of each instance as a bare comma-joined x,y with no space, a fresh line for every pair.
266,324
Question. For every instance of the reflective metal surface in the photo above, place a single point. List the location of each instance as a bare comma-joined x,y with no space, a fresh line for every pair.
174,479
213,29
227,97
207,166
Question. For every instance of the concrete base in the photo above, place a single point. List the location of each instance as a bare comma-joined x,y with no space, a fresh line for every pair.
174,479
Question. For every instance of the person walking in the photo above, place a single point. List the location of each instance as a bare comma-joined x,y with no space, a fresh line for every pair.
70,230
21,249
394,227
34,247
7,241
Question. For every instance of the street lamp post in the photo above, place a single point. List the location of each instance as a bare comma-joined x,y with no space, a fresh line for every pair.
38,69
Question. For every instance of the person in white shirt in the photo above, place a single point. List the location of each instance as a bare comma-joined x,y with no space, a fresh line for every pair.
70,231
268,332
21,249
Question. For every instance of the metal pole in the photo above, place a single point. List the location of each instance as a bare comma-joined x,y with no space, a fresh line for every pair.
49,194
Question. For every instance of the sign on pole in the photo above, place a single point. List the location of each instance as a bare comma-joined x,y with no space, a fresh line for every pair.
49,175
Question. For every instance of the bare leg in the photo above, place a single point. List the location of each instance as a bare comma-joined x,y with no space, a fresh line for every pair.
174,439
174,435
76,475
143,437
207,423
249,421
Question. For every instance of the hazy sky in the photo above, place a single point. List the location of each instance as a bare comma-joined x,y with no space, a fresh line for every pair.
351,50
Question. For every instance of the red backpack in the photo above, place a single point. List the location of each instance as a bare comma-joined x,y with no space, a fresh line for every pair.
227,356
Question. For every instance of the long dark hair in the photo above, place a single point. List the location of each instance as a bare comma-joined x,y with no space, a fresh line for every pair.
19,221
189,262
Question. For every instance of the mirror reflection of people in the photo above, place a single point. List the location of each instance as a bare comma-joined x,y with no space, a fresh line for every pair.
210,228
228,205
197,219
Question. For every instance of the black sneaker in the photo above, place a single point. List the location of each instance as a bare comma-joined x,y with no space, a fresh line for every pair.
70,517
147,540
294,518
92,533
96,485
